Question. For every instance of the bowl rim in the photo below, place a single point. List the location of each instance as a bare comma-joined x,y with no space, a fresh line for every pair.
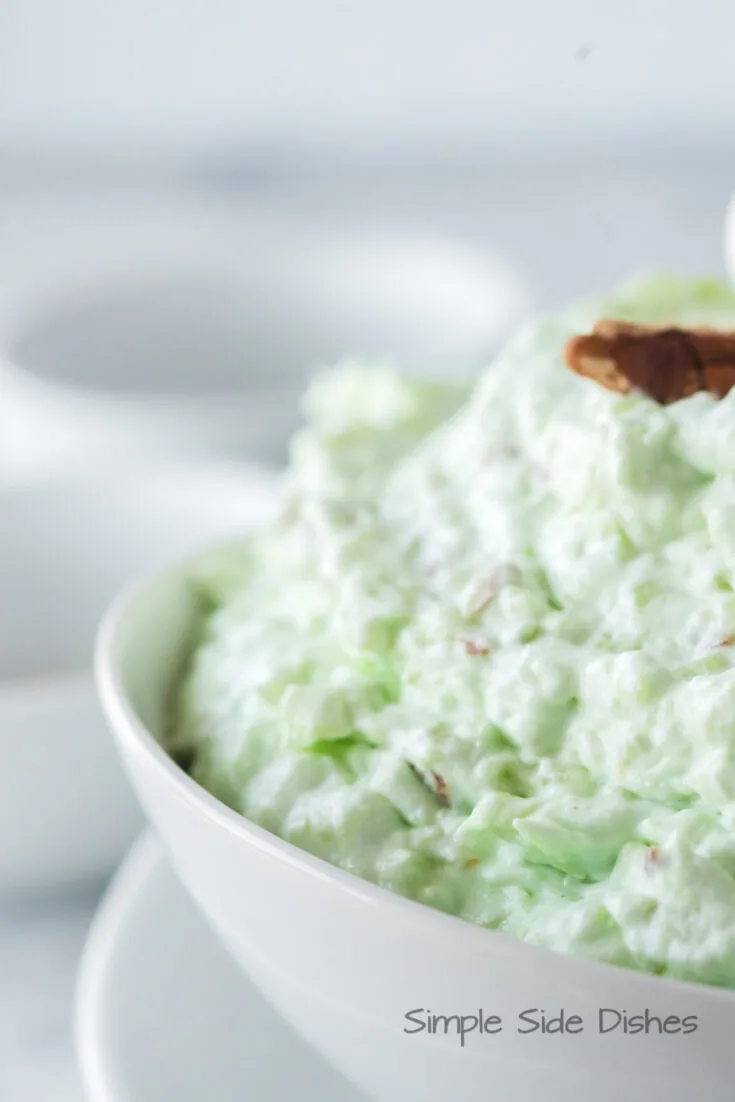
129,730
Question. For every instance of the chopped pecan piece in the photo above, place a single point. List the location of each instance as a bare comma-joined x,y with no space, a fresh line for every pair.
441,786
488,588
652,858
665,362
501,451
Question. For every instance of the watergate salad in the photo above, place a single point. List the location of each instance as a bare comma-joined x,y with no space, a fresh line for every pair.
485,657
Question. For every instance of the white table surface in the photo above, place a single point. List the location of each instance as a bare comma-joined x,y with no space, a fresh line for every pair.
566,229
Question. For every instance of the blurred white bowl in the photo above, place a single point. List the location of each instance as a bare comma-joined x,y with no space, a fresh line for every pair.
729,239
345,961
66,810
195,335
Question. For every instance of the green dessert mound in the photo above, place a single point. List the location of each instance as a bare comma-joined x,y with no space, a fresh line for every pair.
484,659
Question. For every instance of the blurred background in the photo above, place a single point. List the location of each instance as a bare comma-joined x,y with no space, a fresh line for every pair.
202,202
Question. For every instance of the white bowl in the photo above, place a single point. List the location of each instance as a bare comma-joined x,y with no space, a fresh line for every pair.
66,809
345,961
729,239
194,338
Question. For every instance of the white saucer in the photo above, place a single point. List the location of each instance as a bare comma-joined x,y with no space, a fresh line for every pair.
162,1013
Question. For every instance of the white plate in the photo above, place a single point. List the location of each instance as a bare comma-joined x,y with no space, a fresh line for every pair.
163,1013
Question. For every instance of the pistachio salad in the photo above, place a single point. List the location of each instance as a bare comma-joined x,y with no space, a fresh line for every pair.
485,657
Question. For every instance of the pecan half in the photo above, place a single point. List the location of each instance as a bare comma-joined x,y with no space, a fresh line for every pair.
665,362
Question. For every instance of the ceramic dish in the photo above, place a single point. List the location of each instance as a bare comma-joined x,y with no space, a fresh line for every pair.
729,239
161,1013
66,810
346,962
192,335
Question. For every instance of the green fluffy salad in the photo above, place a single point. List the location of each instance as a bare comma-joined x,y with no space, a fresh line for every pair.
484,656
